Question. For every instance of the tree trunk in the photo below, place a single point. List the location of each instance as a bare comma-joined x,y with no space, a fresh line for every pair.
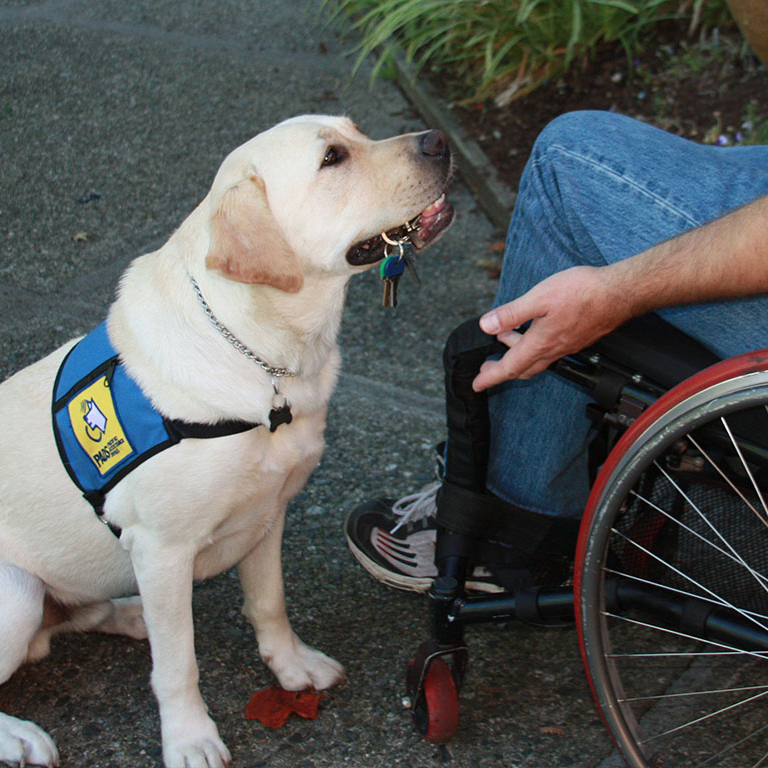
752,18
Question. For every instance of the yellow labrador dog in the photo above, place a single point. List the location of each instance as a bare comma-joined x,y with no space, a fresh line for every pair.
252,282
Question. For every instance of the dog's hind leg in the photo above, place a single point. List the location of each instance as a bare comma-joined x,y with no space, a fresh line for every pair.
125,618
21,613
122,616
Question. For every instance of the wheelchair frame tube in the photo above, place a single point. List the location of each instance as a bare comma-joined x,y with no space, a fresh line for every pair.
535,604
690,615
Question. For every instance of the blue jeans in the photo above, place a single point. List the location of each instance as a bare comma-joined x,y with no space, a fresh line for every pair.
601,187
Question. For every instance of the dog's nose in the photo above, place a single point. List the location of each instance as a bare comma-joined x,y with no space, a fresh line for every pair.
433,143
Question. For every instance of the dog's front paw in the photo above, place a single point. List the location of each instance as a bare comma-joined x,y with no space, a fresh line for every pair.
203,753
194,744
23,743
298,667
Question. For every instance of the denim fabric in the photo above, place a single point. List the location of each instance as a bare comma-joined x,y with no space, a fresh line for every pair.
601,187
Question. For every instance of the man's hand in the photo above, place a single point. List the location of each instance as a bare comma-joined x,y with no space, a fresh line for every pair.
570,310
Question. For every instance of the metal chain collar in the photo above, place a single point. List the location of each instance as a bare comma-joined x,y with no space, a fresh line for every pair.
234,341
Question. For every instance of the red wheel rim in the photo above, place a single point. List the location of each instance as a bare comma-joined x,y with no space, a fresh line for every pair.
750,362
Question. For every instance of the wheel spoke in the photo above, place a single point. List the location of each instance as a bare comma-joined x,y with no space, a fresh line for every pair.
676,633
705,518
668,588
678,552
704,717
678,654
747,469
683,694
723,475
735,745
721,601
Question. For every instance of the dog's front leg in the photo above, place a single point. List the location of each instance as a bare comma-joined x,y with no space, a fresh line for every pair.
164,573
296,665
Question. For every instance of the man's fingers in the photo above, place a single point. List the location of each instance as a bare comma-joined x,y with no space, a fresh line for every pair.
493,372
510,338
537,367
487,376
506,317
525,358
510,366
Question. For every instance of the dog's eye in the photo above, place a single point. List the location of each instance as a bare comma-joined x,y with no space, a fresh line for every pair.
334,155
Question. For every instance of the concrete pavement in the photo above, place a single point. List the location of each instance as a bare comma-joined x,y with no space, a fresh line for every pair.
114,117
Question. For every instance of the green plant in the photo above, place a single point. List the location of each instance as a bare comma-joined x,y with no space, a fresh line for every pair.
505,48
754,129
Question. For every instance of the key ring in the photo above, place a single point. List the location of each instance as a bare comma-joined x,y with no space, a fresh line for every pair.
389,241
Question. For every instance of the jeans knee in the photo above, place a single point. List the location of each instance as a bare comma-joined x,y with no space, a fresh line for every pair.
580,129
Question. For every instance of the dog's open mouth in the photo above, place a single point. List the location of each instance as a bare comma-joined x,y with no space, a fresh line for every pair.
420,231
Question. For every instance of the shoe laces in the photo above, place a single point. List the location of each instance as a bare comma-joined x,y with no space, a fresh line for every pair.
422,504
416,506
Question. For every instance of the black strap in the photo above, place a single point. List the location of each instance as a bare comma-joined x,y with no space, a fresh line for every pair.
177,430
608,388
466,411
96,499
184,429
485,516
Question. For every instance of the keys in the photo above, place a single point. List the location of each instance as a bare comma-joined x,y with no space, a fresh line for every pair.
390,271
394,265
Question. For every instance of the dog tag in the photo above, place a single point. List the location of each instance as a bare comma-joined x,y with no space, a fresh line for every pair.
278,416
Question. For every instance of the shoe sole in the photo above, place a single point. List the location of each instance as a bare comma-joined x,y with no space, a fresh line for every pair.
409,583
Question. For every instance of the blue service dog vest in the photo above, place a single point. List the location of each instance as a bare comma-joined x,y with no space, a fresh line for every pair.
105,426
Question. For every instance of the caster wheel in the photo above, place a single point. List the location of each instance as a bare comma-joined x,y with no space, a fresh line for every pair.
436,712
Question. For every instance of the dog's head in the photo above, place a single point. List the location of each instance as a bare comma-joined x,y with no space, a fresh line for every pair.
314,194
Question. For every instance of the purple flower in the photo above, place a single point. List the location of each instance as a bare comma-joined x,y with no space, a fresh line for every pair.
722,140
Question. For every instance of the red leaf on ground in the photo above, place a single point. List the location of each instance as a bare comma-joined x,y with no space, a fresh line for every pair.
272,706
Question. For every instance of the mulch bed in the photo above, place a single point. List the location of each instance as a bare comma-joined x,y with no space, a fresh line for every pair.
704,90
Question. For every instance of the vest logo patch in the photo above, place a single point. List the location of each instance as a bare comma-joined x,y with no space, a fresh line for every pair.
96,426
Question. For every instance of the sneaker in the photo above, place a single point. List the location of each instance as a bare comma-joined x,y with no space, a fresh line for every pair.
395,542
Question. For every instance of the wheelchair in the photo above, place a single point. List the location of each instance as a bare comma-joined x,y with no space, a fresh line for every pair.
669,587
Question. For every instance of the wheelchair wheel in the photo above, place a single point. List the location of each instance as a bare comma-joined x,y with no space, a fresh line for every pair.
436,712
671,576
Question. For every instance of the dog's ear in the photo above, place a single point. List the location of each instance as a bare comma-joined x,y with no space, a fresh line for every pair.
246,242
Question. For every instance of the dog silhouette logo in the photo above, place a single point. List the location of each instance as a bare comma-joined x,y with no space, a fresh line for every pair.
95,420
97,426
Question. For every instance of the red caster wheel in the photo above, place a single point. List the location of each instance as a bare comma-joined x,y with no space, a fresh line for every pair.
435,711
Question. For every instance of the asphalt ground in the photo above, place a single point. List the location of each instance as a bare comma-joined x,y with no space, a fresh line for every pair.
114,116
